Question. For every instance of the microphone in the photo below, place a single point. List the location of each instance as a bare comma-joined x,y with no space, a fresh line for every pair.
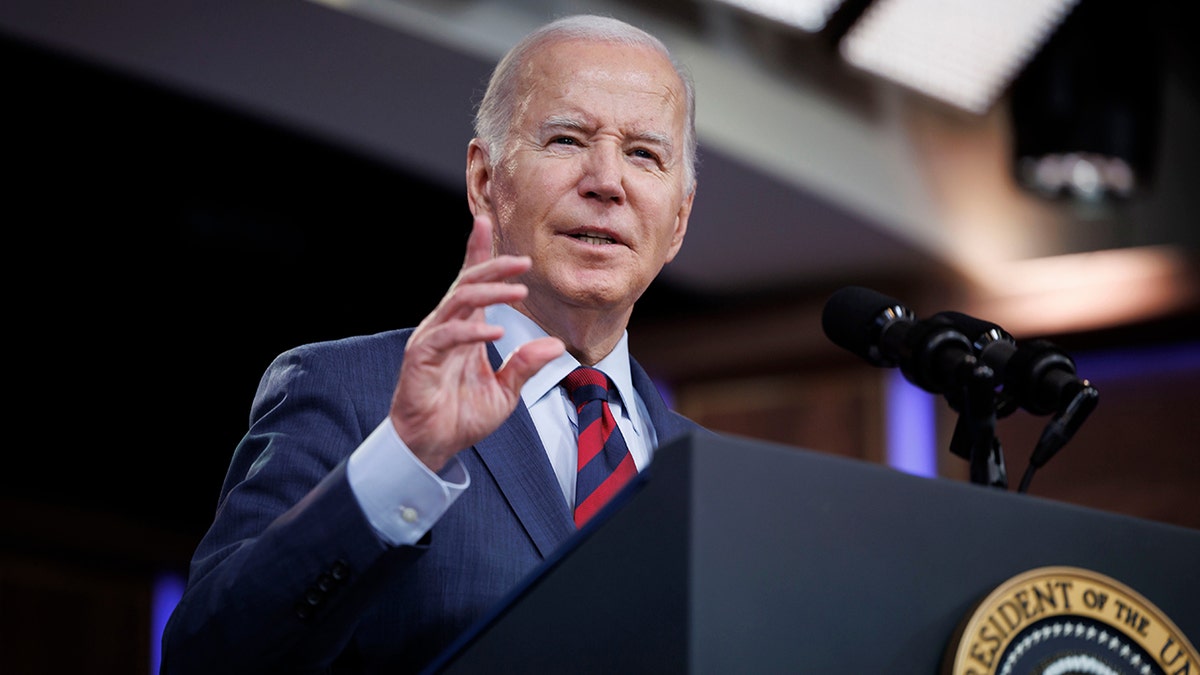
1035,374
969,360
933,354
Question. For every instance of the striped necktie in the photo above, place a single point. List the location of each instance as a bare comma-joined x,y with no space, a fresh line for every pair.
605,464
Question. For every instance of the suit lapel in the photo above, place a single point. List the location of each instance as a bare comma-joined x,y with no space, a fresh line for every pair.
666,424
515,457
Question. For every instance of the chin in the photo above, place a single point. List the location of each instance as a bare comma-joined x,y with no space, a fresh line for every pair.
593,296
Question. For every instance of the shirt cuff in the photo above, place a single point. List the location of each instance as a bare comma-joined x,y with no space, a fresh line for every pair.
401,497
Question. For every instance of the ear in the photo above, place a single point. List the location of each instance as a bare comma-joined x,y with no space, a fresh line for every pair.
681,224
479,178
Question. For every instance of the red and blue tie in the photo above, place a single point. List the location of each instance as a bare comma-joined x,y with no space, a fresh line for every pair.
605,464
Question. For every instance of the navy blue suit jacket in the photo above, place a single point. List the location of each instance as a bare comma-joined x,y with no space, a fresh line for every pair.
292,578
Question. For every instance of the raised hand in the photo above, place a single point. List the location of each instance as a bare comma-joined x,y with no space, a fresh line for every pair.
448,397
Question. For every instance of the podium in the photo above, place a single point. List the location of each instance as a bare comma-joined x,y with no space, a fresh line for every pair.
729,555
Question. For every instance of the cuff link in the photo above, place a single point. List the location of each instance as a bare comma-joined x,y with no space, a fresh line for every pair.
408,514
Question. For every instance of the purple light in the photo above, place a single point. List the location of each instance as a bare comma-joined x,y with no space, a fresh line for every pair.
911,426
1101,366
665,391
168,589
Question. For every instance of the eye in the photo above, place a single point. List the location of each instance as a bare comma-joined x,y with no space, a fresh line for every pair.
643,153
563,140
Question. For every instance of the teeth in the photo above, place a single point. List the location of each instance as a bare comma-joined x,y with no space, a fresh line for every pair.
594,239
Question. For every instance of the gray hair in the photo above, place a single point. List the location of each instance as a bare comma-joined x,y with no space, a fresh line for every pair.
499,105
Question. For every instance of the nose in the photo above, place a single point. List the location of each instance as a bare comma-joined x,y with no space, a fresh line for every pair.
603,174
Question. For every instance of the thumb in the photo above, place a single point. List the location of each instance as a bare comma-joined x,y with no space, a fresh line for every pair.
527,359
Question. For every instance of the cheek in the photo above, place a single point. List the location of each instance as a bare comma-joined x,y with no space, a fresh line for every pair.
548,179
665,219
503,192
534,196
528,184
517,204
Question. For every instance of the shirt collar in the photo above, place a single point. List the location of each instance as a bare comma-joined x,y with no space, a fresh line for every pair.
519,329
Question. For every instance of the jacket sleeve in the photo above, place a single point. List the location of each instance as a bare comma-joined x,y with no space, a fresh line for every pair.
278,581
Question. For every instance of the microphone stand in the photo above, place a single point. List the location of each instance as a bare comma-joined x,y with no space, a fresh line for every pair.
974,436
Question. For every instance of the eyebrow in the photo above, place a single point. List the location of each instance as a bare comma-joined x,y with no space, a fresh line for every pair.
562,122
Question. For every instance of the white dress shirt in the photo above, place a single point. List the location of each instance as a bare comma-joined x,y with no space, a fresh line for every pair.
403,498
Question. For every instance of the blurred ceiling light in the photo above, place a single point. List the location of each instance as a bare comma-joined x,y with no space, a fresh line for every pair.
1086,175
807,15
1088,291
1086,109
963,52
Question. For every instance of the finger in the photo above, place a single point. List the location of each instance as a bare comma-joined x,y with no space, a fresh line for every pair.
527,359
479,244
499,268
468,304
463,301
436,341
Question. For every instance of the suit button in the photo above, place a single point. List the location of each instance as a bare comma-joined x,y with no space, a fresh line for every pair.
303,610
314,597
340,571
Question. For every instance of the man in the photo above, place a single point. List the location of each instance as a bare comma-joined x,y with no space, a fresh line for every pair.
367,518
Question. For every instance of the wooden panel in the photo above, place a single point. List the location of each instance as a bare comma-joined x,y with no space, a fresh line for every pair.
835,413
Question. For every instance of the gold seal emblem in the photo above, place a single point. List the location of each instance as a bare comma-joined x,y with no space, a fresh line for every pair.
1067,620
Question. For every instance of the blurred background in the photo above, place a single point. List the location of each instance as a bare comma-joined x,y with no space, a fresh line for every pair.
195,187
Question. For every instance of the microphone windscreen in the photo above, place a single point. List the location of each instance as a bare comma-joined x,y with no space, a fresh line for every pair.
851,318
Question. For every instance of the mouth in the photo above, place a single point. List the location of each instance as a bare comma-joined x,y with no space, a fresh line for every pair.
594,238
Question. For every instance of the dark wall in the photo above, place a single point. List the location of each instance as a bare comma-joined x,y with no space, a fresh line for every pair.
161,252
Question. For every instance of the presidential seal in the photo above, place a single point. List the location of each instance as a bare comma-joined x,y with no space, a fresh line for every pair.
1067,621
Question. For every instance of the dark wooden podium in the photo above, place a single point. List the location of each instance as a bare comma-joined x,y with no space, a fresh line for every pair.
730,555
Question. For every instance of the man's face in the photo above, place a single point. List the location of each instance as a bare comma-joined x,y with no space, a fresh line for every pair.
591,185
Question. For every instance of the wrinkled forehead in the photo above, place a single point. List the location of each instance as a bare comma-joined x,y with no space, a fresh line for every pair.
567,71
